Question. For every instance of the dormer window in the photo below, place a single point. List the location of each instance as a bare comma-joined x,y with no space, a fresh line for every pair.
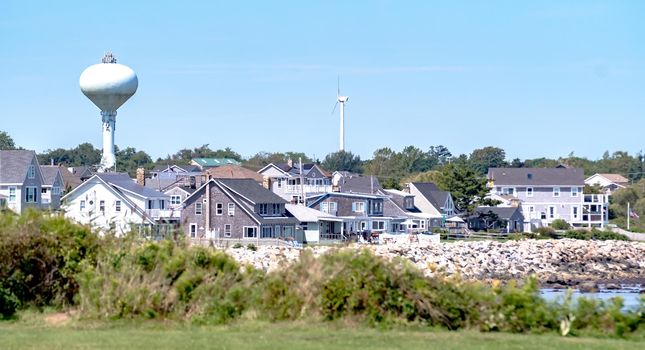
32,172
409,203
529,176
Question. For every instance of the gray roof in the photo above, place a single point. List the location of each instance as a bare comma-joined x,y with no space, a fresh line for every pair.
502,212
14,165
251,190
185,167
398,198
432,193
49,174
537,176
123,182
356,183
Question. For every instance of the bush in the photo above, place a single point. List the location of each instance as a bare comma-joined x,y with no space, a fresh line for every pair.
237,246
41,255
560,224
546,231
252,247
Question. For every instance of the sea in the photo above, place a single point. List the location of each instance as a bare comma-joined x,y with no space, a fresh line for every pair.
630,293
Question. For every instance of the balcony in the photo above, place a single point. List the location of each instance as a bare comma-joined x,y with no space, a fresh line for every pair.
296,189
163,213
595,199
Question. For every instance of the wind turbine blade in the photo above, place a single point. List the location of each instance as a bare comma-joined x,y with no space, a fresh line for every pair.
334,110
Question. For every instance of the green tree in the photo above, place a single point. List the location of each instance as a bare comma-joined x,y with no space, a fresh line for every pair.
129,159
184,156
342,161
82,155
6,142
464,183
487,157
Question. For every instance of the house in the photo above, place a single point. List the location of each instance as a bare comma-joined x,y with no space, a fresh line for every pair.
401,204
21,180
173,169
115,202
431,200
546,194
237,209
314,223
507,219
608,182
206,163
361,214
52,187
292,181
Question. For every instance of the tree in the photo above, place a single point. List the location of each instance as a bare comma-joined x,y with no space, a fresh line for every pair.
342,161
487,157
6,142
438,156
464,183
415,160
261,159
83,154
129,159
186,155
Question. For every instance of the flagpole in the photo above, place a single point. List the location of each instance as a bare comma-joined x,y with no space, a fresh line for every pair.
628,212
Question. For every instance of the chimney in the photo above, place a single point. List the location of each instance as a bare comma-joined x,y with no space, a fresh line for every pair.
406,188
141,176
266,182
290,163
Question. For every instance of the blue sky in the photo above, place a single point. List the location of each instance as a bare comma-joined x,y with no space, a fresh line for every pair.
537,78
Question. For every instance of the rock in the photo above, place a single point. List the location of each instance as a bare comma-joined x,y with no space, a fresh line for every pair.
588,287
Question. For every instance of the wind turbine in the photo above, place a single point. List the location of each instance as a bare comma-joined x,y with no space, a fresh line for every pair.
341,99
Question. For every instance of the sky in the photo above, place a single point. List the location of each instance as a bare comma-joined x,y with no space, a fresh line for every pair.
536,78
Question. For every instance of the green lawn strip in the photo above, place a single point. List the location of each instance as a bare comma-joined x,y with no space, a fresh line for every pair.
292,335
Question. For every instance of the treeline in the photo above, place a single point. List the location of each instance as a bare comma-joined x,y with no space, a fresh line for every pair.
390,166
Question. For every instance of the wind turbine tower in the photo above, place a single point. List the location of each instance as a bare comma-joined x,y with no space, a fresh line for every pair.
108,85
342,100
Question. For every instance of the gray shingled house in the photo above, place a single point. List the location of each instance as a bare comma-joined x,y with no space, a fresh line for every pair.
239,209
20,180
507,219
52,187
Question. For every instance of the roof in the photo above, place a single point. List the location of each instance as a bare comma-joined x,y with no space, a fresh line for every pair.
398,198
123,182
175,168
502,212
537,176
251,190
14,165
49,173
214,162
232,171
615,178
306,214
294,168
356,183
432,193
82,172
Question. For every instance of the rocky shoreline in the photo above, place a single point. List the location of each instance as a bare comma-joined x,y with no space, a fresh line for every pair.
556,263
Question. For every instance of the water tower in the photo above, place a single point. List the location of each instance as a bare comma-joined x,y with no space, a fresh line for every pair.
108,85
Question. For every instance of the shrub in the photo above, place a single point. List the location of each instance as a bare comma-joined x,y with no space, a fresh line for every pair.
252,247
546,231
560,224
237,246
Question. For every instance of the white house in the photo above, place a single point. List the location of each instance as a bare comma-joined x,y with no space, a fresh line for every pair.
113,201
609,182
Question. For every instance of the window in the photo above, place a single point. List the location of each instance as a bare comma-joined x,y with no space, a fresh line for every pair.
198,208
377,207
227,229
556,191
279,183
162,204
219,208
409,203
574,191
32,172
193,230
175,199
508,191
250,231
12,194
378,225
56,191
267,231
263,208
551,212
358,207
43,190
328,207
333,207
117,206
231,209
276,209
575,213
31,195
324,207
102,206
82,206
529,191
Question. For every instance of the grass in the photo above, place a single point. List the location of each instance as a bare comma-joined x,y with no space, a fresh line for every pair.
36,334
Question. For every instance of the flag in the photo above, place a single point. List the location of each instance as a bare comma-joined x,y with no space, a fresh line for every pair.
633,214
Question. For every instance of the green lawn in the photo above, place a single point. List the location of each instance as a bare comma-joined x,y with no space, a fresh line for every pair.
259,335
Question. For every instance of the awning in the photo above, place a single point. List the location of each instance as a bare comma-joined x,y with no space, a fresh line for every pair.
306,214
455,219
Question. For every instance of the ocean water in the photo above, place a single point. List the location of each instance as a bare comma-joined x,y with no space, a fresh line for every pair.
630,294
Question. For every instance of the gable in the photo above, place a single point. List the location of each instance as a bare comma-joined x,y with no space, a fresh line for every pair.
272,171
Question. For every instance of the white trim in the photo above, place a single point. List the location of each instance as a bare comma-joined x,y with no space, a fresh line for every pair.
201,208
556,194
192,234
230,209
575,193
230,229
244,231
221,209
554,215
529,194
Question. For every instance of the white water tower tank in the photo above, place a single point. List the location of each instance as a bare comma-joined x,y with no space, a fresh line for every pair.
108,85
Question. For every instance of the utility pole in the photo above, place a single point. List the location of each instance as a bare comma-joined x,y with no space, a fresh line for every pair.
302,184
628,212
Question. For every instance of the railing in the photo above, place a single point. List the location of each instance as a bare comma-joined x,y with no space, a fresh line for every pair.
308,188
163,213
594,198
230,242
